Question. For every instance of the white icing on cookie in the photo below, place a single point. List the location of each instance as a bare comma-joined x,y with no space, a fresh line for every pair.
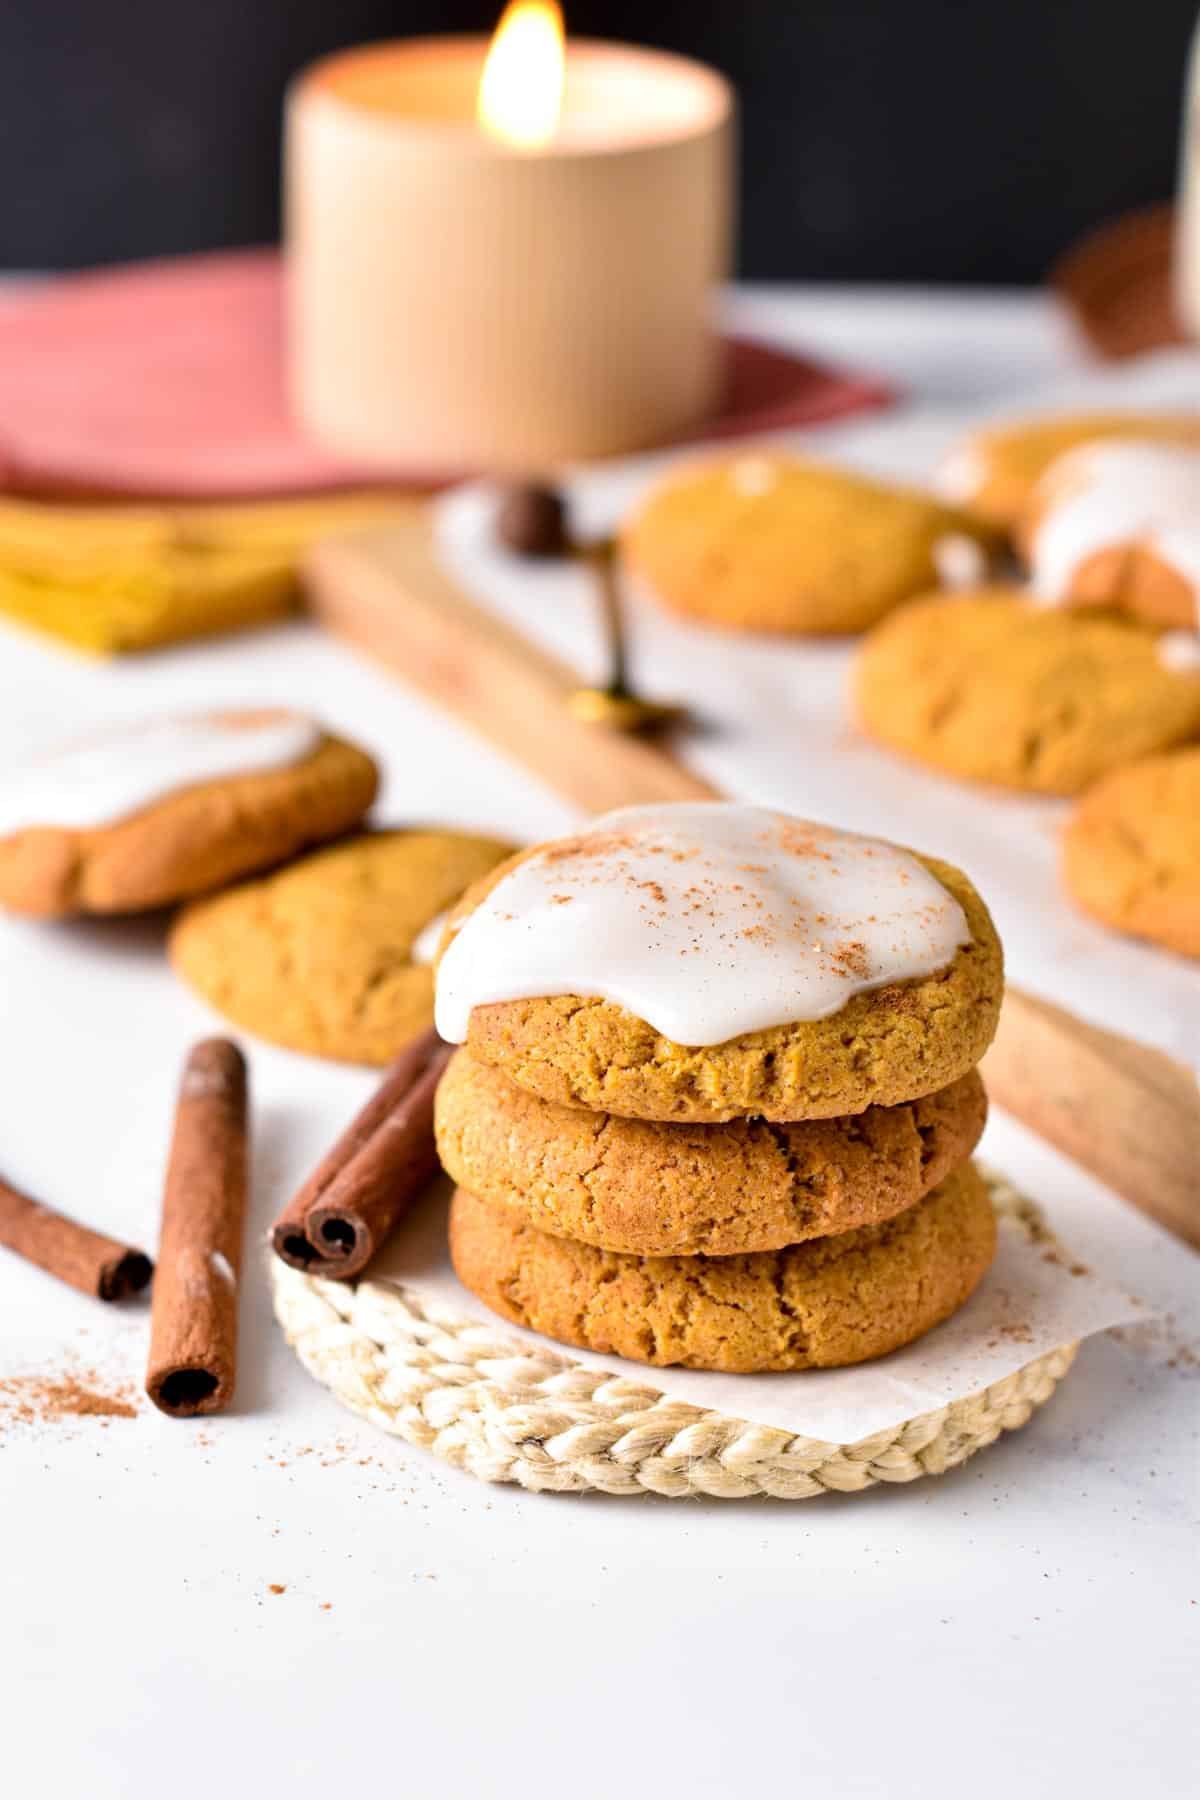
753,476
960,562
1102,496
961,475
428,940
109,777
705,920
1180,651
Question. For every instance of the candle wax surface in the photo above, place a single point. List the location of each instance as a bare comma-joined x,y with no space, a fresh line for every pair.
614,95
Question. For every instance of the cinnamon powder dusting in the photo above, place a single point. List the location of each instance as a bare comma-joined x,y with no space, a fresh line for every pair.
36,1399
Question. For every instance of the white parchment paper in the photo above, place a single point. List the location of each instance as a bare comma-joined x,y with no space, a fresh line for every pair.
1032,1300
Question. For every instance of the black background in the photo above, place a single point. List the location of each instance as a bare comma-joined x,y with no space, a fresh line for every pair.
949,140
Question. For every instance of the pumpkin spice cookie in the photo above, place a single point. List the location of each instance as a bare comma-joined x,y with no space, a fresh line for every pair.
1117,524
995,470
1131,854
142,816
706,962
764,542
682,1190
823,1304
319,956
992,688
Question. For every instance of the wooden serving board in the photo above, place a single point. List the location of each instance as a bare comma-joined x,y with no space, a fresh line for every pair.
1129,1113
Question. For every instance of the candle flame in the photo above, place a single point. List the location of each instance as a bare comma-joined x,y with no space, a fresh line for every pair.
520,90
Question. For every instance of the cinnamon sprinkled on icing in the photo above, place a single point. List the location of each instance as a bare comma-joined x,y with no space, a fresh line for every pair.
705,920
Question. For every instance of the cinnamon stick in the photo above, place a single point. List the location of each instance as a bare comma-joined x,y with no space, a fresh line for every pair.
193,1323
89,1261
372,1174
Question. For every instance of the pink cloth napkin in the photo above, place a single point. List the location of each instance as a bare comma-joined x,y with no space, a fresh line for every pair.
165,380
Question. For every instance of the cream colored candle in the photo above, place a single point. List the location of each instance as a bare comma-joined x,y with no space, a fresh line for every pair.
460,299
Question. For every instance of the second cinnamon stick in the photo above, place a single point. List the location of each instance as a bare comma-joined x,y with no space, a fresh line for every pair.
370,1176
193,1323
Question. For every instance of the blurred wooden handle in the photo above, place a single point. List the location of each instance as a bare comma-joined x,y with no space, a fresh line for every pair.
1127,1112
386,590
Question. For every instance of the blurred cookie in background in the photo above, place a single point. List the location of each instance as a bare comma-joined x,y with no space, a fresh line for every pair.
1131,851
764,542
993,688
143,815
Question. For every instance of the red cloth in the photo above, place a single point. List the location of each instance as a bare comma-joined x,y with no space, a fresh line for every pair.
165,380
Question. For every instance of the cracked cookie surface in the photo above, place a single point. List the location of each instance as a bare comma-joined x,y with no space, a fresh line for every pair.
319,956
763,542
834,1301
992,688
887,1045
189,841
1131,853
674,1190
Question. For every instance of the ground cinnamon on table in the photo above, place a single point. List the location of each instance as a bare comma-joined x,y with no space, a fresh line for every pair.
88,1260
370,1177
193,1325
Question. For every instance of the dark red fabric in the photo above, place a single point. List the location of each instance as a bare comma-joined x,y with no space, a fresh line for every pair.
165,380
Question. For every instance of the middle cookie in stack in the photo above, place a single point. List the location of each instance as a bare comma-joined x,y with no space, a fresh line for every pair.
792,1196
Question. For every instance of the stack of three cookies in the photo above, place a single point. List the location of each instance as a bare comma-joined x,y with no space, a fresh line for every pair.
636,1178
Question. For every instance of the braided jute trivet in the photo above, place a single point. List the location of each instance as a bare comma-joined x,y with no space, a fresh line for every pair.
461,1387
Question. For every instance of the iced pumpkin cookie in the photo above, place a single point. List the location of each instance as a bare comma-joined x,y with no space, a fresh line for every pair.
1117,524
148,814
682,1190
319,957
706,962
993,688
764,542
1131,854
823,1304
995,470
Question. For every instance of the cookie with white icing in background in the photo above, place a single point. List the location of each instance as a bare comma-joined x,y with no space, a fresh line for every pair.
144,815
764,542
991,687
995,470
708,962
1117,524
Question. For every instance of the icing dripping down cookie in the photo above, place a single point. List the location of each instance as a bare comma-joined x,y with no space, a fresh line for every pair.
705,920
111,776
1104,496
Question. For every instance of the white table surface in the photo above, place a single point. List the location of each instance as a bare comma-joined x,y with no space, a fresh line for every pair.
1026,1624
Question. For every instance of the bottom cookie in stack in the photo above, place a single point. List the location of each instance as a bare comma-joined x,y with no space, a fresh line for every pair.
745,1247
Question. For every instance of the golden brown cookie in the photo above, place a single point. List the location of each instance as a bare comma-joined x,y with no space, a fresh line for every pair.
888,1045
995,471
319,956
759,541
832,1301
190,840
992,688
1131,853
683,1190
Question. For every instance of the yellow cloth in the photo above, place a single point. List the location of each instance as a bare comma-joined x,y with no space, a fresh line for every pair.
119,578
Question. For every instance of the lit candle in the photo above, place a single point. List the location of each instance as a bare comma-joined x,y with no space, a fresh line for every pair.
503,259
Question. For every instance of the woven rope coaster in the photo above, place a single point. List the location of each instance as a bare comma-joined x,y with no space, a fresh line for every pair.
459,1386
